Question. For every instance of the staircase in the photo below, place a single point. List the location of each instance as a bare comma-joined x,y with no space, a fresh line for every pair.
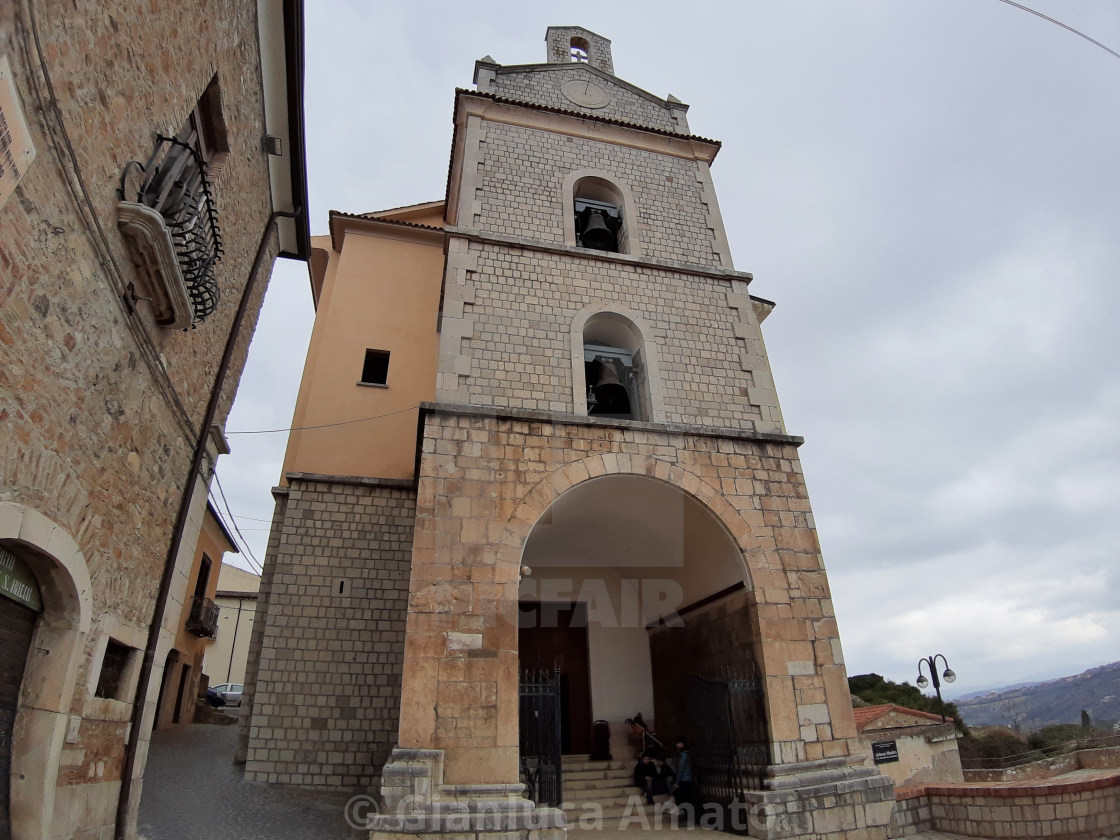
608,784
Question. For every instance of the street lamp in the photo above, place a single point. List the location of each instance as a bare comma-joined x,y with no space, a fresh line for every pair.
948,675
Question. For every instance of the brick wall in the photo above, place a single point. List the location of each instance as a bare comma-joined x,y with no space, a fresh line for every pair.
326,698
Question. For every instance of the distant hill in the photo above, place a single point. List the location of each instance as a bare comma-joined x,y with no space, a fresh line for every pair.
1033,705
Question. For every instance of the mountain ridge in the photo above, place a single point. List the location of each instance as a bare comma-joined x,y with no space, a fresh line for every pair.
1032,705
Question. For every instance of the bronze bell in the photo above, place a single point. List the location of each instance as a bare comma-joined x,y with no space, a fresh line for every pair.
597,233
610,393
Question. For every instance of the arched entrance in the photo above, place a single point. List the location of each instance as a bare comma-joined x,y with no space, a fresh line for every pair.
20,605
39,554
633,586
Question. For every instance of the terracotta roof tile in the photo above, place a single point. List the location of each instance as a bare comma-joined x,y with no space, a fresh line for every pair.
864,715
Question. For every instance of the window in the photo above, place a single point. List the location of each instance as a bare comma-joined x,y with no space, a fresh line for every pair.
613,369
375,370
580,50
203,577
599,221
111,682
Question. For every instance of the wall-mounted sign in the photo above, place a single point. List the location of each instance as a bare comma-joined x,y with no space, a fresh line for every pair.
16,149
17,582
884,752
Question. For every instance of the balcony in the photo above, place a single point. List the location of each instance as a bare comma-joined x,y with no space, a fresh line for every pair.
171,229
203,618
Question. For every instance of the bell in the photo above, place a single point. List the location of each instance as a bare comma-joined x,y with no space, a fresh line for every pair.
597,234
610,393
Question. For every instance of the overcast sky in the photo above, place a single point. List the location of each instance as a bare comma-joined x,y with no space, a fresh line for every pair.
929,190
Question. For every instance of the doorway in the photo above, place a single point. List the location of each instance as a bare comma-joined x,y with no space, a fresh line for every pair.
553,636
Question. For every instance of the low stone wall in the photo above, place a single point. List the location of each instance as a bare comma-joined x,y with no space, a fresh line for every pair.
911,814
1048,768
1078,810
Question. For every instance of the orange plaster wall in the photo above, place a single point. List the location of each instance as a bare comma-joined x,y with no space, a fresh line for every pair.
380,292
213,543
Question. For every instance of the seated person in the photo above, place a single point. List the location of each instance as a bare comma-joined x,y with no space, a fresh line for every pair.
646,776
663,782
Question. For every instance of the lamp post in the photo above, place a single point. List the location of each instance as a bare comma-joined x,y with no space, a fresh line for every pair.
948,675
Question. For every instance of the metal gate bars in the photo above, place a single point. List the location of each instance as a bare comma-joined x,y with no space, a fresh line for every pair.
730,748
539,724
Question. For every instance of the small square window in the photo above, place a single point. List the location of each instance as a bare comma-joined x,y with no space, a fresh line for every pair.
375,371
111,681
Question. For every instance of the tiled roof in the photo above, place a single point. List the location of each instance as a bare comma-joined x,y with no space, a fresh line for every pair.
866,714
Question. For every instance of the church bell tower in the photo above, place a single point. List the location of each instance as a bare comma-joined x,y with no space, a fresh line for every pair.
600,493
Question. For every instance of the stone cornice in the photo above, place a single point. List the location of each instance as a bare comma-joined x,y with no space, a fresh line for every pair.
475,235
565,419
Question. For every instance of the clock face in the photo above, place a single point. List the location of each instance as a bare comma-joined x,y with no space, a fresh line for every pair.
585,93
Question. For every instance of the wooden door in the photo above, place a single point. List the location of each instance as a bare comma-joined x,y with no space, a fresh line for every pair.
555,636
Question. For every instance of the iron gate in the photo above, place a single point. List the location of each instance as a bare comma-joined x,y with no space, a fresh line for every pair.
539,724
730,748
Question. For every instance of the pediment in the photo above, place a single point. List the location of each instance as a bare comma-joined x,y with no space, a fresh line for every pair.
584,89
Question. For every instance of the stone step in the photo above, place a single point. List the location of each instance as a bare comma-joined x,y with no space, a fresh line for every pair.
616,773
619,766
602,785
614,812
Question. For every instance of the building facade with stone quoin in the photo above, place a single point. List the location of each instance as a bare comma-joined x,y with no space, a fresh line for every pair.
537,432
151,171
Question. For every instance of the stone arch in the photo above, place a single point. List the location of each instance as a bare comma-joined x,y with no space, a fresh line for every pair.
551,487
645,335
47,688
629,207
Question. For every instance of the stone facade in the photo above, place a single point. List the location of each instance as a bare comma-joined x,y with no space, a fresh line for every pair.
101,410
326,694
520,492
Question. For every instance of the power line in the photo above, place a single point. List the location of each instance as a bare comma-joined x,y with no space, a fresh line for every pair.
321,425
1076,32
245,542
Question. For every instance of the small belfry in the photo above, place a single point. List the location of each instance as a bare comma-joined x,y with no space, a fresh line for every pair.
565,496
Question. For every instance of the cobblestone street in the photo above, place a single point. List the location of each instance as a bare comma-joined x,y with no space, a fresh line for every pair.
193,790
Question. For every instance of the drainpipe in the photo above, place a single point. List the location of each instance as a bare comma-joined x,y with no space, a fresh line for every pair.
233,647
131,748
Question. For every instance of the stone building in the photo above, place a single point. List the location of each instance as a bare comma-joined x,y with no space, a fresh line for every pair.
537,434
151,170
910,746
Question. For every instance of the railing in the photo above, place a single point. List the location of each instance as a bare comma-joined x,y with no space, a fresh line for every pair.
175,185
1039,754
203,618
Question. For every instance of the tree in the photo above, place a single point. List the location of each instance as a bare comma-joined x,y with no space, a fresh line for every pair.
875,689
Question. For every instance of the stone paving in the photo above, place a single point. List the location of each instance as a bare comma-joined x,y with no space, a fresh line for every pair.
192,790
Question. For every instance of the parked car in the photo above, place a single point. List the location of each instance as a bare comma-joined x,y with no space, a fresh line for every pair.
228,693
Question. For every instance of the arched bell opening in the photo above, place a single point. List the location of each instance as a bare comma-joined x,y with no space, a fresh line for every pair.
599,219
631,587
614,368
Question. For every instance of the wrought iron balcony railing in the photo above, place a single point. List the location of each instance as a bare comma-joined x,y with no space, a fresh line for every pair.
203,618
172,228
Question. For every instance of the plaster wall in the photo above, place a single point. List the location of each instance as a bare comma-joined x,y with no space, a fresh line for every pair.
379,293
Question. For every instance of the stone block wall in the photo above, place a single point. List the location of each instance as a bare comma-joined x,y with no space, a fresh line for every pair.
330,640
514,345
100,408
485,482
519,191
1084,809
